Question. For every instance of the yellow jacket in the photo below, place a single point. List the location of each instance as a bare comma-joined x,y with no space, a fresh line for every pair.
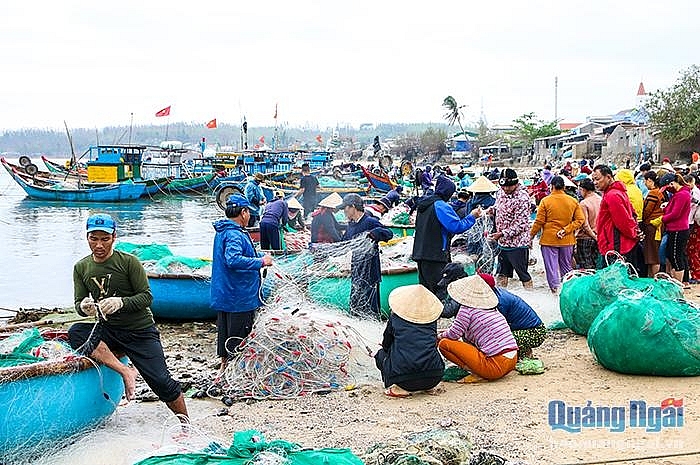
557,211
633,191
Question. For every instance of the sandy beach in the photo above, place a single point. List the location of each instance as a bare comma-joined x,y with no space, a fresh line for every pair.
508,417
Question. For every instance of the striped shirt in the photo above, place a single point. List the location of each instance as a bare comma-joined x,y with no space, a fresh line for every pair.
488,330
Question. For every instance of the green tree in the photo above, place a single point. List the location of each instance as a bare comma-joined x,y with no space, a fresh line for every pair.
675,112
528,128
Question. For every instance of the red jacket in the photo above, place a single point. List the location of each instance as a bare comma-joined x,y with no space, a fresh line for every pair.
616,212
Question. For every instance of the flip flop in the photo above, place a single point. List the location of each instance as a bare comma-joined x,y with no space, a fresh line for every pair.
390,393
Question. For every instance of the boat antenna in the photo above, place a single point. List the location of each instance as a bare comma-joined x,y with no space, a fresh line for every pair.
131,125
73,161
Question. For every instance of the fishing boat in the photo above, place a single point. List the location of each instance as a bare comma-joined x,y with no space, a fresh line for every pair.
47,404
180,296
57,168
334,290
48,190
168,160
380,182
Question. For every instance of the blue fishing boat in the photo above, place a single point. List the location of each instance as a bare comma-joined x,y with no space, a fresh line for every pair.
48,404
46,190
180,296
380,183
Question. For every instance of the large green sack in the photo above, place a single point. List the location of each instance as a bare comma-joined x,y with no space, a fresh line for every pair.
584,296
647,336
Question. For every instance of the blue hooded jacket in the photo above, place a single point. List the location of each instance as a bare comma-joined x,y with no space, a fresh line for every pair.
235,275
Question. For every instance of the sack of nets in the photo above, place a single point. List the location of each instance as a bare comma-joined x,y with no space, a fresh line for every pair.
641,334
584,294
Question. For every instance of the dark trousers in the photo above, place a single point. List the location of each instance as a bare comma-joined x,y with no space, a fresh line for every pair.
270,237
430,273
410,385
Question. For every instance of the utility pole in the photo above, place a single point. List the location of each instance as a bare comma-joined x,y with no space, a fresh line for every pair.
556,88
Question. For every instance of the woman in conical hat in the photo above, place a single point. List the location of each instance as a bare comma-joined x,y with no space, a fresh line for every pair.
409,360
479,339
296,215
324,226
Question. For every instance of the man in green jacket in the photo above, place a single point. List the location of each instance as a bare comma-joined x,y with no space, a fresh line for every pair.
112,285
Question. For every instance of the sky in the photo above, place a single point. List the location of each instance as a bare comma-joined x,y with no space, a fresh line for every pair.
331,63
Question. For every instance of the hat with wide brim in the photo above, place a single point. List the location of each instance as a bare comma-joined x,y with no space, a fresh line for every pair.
259,177
332,201
482,184
415,303
568,182
473,291
293,203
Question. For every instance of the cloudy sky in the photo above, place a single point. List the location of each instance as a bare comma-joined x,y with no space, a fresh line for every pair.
93,63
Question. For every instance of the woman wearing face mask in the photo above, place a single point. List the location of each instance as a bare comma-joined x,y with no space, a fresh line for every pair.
675,222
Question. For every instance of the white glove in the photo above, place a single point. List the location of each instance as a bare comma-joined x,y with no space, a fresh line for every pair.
110,305
87,306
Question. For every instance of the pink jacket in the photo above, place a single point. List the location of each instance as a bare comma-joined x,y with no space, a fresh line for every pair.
677,211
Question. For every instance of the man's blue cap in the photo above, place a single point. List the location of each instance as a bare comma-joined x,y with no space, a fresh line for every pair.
237,200
580,177
101,222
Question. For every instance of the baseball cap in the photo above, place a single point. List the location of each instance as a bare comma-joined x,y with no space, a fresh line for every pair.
237,200
101,222
353,200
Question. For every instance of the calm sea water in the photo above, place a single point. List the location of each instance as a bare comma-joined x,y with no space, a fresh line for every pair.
40,241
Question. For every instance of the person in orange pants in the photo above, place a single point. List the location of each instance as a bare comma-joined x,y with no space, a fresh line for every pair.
479,339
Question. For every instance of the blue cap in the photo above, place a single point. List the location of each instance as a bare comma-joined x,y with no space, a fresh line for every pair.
237,200
101,222
580,177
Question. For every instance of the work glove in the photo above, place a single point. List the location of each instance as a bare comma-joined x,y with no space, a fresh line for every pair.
87,306
111,305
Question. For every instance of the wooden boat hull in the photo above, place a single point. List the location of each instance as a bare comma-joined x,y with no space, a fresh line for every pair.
120,192
191,185
335,291
379,183
44,411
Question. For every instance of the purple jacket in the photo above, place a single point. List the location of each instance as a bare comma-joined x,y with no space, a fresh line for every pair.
677,211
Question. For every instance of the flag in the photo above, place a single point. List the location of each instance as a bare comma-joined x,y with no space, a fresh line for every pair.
671,402
164,112
212,124
275,111
319,139
262,139
245,126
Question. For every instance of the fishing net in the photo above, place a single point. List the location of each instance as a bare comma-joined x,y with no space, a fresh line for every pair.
643,334
158,258
475,244
584,294
17,348
432,447
144,252
251,448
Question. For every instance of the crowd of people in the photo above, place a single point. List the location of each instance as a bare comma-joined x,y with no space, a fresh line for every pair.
582,212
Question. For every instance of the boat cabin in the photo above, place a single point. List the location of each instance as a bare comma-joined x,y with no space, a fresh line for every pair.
114,163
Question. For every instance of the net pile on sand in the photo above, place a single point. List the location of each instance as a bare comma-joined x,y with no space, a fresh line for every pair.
432,447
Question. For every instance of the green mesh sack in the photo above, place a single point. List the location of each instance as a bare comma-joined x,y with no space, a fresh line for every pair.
584,296
144,252
15,350
642,335
401,218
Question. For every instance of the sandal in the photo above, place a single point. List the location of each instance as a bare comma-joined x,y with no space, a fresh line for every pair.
390,393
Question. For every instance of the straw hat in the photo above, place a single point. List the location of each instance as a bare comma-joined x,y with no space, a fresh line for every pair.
259,177
482,184
415,303
473,291
332,201
294,203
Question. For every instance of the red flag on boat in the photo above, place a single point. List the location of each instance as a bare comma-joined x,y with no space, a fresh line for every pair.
319,139
212,124
262,139
164,112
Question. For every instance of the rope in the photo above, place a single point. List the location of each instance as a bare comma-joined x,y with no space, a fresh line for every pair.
634,459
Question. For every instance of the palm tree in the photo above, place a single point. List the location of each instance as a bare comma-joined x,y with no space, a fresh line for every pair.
454,112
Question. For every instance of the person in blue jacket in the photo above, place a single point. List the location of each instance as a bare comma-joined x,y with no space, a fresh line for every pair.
256,198
436,223
365,267
236,285
274,218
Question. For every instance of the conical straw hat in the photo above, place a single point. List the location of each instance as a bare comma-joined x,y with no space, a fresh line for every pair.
482,184
415,303
332,201
294,203
473,291
568,182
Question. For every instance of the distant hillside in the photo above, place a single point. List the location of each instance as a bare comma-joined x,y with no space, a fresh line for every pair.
55,143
